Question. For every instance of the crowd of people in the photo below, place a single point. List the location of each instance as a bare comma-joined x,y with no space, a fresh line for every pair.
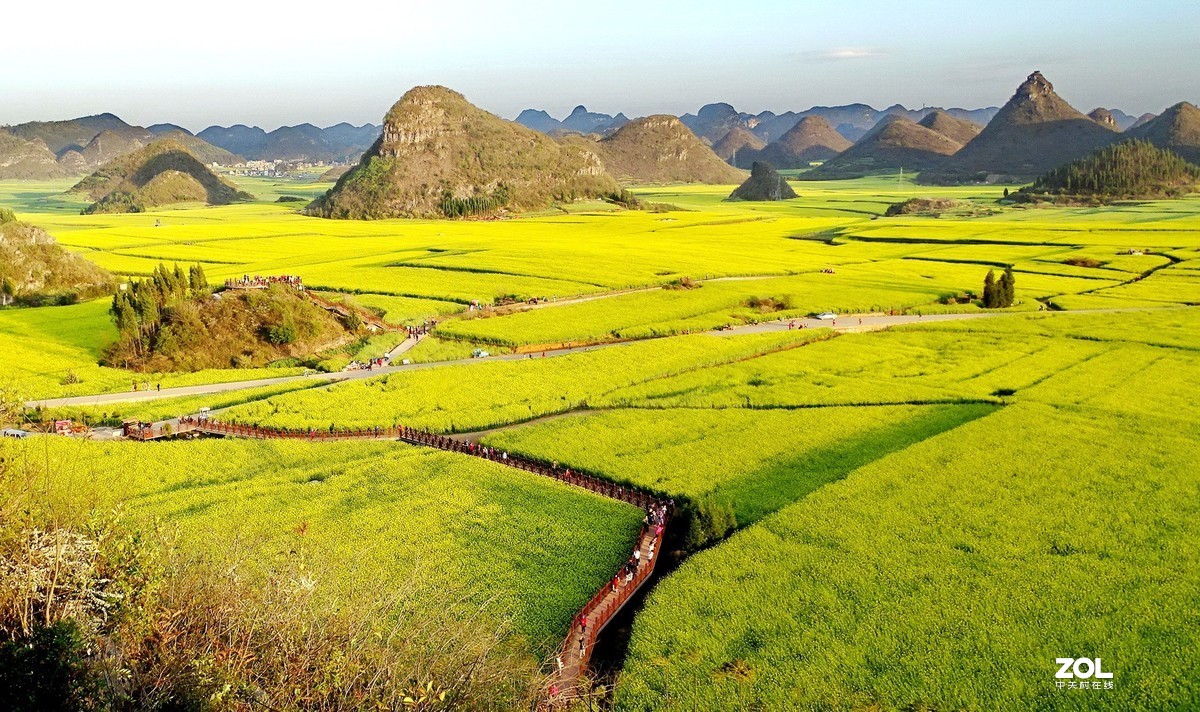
259,282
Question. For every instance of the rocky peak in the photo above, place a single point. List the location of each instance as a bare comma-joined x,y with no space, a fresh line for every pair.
1104,117
1035,86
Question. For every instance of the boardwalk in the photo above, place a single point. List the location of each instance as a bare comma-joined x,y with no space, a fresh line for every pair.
570,666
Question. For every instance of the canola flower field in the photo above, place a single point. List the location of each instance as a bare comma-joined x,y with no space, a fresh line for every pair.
980,494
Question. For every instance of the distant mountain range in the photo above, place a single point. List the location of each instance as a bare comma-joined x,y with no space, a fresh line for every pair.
579,121
339,143
53,149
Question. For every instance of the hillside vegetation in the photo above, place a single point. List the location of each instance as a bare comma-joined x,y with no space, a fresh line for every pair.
173,322
1127,170
162,173
36,270
440,156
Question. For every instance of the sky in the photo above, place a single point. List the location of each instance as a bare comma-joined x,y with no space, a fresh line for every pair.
270,64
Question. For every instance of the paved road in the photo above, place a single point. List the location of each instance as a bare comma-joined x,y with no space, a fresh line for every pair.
844,323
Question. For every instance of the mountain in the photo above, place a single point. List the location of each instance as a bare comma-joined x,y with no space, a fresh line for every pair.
198,147
239,139
738,147
615,123
959,130
660,149
70,134
349,139
538,120
1129,170
159,129
764,183
1176,129
1114,119
113,143
895,143
27,160
769,126
159,174
1143,119
584,121
1104,117
84,144
811,139
37,270
1033,133
440,156
713,121
304,142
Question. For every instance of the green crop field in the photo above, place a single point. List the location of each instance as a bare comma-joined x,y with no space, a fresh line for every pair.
924,516
364,516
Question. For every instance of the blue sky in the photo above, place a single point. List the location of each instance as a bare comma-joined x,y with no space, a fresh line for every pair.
286,63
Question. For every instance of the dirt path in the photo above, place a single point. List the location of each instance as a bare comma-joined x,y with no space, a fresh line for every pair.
848,323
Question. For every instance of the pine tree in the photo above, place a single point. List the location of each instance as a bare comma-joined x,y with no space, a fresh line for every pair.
990,291
1008,287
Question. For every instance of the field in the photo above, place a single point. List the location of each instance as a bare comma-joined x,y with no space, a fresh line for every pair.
768,261
923,516
470,533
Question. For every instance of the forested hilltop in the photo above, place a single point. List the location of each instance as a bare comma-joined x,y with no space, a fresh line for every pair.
1130,170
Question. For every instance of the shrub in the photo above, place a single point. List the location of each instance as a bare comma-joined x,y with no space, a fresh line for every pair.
282,334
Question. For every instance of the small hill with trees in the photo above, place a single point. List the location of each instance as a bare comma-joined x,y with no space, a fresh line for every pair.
739,147
162,173
661,149
35,270
1034,132
1130,170
441,157
764,183
895,143
1177,129
811,139
173,322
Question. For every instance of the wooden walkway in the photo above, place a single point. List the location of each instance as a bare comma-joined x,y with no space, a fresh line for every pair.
570,664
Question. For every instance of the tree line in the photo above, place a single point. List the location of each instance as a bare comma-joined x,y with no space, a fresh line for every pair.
139,306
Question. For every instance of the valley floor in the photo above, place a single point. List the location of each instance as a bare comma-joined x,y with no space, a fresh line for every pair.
919,511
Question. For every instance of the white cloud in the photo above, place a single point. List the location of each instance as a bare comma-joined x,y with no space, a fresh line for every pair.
841,53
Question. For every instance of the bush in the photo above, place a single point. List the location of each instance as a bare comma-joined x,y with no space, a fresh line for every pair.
282,334
48,670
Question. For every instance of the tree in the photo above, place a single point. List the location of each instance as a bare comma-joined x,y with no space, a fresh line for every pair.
197,280
991,291
1008,287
